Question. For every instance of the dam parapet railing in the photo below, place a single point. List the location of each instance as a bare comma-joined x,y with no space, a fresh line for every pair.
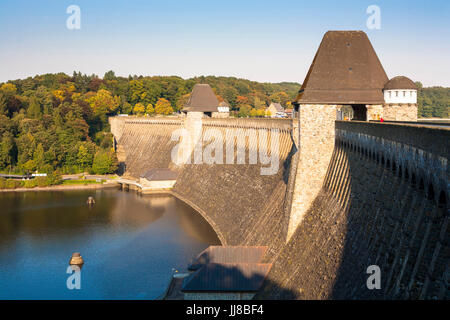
417,153
249,123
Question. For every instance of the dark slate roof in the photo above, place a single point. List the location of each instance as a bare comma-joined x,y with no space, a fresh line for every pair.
202,99
227,277
345,70
160,175
229,254
400,82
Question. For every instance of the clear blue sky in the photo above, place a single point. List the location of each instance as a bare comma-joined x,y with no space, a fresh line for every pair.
269,41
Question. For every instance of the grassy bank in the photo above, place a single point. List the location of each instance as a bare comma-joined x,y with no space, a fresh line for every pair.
43,182
80,182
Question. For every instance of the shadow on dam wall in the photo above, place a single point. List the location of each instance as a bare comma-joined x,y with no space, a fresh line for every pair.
378,206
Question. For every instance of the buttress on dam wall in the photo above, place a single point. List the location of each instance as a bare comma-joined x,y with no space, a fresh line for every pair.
382,200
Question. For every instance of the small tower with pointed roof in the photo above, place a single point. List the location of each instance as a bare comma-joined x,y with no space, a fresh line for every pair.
203,103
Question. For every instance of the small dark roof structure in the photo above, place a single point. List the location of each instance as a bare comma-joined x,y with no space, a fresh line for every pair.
277,106
160,175
227,277
345,70
202,99
400,82
228,254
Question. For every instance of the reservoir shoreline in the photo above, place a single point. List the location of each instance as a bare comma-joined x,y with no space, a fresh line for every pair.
91,186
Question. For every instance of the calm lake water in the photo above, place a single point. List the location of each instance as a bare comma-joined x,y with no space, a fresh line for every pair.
129,243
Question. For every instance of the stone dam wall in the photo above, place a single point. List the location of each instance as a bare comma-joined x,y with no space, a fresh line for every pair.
242,206
383,201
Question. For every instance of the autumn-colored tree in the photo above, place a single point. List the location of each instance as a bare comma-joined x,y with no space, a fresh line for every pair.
260,112
103,103
182,101
280,97
58,95
253,112
139,109
163,107
149,109
8,89
241,100
95,83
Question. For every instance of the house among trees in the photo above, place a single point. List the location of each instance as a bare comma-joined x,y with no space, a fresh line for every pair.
204,103
289,112
275,110
224,107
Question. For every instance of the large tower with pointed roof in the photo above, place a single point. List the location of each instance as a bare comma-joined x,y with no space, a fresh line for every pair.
345,74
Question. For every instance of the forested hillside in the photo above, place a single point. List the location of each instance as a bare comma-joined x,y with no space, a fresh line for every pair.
433,102
59,122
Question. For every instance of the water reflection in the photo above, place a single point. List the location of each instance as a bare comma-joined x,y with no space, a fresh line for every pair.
129,243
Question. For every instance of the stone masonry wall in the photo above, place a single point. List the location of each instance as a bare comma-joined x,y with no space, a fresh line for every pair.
316,142
402,112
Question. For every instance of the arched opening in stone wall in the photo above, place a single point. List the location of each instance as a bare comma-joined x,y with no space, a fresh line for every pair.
413,179
442,202
421,185
359,112
406,173
430,193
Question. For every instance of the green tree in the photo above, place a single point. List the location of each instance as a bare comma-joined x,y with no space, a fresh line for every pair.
6,150
34,109
104,162
110,75
84,157
244,110
38,157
